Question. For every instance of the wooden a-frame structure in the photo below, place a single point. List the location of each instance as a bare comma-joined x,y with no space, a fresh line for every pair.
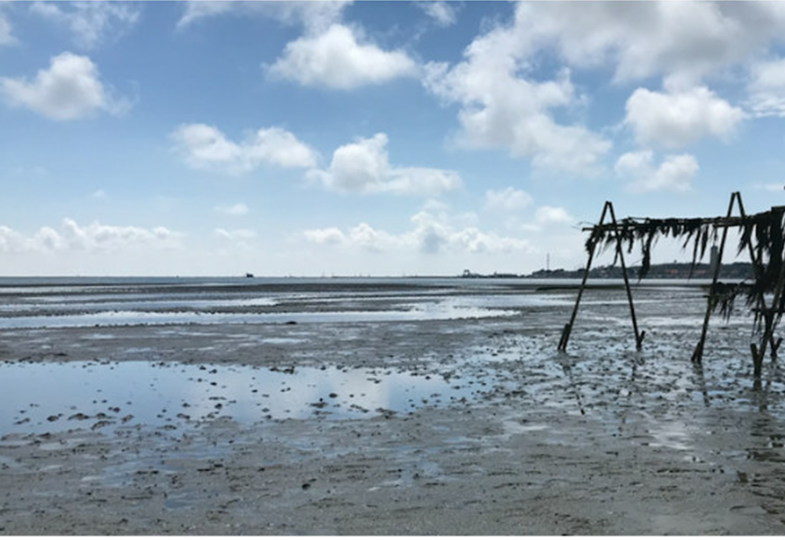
768,278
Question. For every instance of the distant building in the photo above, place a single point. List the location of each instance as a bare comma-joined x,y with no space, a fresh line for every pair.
714,258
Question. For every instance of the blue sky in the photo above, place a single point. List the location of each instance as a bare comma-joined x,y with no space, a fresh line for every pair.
373,138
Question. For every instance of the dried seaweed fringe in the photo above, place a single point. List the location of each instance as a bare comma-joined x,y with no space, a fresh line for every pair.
762,232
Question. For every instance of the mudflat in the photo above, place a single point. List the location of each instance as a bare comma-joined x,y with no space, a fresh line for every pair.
469,425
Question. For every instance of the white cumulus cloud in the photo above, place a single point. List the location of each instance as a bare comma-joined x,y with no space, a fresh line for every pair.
429,234
434,233
98,237
674,173
330,235
548,218
444,13
6,35
337,59
680,117
508,101
551,215
678,41
196,10
363,167
329,53
507,199
314,16
68,90
361,236
90,22
206,147
502,108
767,88
93,238
366,237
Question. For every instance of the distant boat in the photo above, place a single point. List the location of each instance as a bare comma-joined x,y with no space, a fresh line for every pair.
248,275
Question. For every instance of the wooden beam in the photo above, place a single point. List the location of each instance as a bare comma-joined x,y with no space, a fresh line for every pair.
727,221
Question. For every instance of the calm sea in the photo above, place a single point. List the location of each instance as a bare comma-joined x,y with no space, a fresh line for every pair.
58,302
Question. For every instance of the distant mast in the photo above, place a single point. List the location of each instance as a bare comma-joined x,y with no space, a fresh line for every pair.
547,262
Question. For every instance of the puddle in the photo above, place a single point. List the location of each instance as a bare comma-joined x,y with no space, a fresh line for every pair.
186,499
131,302
8,463
674,434
129,318
52,397
166,463
515,427
281,341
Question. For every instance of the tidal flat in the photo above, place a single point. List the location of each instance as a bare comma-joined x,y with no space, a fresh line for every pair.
338,407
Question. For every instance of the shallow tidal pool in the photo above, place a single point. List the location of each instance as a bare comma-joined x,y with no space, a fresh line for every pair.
42,397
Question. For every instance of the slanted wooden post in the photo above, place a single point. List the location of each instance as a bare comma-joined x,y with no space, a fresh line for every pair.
697,355
757,355
620,253
565,335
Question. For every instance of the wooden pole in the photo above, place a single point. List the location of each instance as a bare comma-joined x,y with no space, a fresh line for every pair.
620,253
758,354
769,332
565,336
757,268
697,355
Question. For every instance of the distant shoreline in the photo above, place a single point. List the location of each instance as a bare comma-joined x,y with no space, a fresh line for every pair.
733,271
670,271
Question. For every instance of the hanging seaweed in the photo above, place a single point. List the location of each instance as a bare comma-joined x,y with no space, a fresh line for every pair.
761,233
628,231
722,297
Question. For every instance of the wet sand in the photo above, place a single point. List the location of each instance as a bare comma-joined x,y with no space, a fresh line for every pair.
601,440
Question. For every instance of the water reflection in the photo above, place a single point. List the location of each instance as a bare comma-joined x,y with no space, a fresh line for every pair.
768,440
566,362
763,474
99,396
697,369
440,311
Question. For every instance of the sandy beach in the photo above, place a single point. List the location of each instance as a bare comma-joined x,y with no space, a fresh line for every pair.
371,425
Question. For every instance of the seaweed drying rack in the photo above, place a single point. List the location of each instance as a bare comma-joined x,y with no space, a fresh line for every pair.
761,235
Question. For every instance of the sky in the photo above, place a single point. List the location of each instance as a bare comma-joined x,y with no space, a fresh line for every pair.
374,138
